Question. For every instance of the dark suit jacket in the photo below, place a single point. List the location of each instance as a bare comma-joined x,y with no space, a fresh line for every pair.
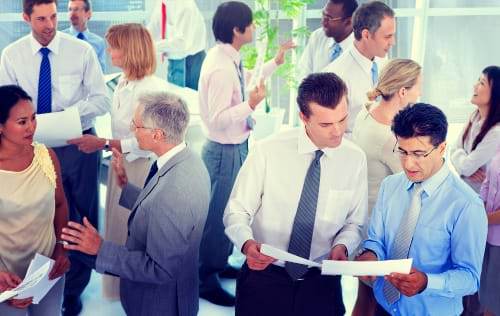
158,265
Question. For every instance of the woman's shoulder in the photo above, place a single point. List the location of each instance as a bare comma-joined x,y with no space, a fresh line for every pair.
45,159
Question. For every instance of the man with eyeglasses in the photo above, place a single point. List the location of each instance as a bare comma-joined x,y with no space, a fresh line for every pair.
374,28
330,40
429,214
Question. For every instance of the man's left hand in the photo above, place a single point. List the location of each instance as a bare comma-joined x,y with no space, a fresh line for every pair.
339,252
83,238
280,56
408,284
62,264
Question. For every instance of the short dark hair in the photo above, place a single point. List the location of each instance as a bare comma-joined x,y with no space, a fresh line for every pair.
87,4
324,88
369,16
10,95
229,15
421,119
348,6
29,4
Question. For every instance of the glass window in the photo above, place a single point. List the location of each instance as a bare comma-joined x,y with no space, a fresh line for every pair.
463,3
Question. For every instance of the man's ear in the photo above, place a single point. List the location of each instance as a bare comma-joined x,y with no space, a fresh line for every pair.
26,18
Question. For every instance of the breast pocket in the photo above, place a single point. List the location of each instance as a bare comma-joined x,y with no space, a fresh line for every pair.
337,206
68,85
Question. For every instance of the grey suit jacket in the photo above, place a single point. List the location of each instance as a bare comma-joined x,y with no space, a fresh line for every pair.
158,265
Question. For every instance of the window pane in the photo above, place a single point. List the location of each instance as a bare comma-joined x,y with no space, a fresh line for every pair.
454,60
464,3
319,4
404,31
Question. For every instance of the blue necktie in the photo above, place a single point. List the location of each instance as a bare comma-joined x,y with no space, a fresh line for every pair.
336,51
44,101
250,120
303,224
151,174
80,36
374,73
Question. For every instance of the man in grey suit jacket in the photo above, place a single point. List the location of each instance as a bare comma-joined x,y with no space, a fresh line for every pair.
158,264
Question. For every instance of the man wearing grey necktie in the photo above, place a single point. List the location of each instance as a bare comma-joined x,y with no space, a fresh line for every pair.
429,214
303,191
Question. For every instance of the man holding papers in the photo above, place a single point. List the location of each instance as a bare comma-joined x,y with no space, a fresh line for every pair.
60,71
429,214
303,191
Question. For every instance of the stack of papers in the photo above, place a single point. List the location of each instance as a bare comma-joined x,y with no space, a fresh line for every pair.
335,267
36,283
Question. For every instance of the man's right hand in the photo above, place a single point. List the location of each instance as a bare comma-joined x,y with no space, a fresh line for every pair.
255,259
8,281
257,95
367,255
117,163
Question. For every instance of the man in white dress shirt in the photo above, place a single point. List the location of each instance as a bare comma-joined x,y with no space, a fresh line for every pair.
178,27
374,28
330,40
60,71
303,191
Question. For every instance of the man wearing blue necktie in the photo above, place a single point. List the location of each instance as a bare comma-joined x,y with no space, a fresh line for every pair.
329,41
79,13
429,214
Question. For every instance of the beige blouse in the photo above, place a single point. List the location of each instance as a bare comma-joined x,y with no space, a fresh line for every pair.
27,210
377,141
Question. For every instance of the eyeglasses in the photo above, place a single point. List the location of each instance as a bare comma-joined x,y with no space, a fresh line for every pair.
134,126
417,155
330,18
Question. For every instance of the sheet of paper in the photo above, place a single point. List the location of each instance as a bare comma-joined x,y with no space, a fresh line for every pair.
39,270
32,278
286,256
54,129
360,268
259,64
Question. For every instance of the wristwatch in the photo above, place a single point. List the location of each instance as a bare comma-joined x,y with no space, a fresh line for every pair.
106,145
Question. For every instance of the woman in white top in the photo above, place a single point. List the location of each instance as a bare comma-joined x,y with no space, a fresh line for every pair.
131,48
477,143
399,84
33,207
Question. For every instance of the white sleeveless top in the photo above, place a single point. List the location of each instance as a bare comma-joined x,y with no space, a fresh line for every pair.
27,210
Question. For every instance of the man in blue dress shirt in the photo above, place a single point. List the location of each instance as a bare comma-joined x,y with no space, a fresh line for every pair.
79,13
429,214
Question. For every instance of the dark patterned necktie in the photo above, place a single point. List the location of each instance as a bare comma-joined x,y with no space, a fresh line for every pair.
44,101
151,174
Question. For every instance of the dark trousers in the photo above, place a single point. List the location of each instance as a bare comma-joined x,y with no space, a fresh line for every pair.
272,292
185,72
223,163
81,184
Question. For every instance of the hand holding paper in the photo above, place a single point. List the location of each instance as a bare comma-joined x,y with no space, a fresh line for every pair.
256,258
56,128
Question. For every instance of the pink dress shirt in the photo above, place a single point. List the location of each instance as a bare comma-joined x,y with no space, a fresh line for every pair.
490,193
222,108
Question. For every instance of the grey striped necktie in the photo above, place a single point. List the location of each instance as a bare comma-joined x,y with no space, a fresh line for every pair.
303,224
404,236
239,69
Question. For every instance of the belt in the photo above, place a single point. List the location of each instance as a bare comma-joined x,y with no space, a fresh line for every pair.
311,272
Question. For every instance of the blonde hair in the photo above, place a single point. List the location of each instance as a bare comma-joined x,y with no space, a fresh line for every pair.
136,43
397,74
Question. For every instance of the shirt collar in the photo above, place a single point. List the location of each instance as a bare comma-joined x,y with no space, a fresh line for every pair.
364,62
163,159
53,45
74,31
432,184
306,146
231,52
344,44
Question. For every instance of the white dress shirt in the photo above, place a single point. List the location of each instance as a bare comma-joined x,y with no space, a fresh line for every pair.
125,99
318,51
222,108
356,71
76,75
266,194
163,159
185,30
467,161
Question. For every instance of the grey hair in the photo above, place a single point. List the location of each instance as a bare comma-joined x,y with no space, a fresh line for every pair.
369,16
166,111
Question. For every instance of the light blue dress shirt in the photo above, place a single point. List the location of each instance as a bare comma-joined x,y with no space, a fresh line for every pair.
95,41
448,243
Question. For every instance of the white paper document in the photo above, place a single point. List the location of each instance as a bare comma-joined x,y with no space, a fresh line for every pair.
36,283
360,268
286,256
56,128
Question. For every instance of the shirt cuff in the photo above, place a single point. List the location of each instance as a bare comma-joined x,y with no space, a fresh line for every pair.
370,245
435,284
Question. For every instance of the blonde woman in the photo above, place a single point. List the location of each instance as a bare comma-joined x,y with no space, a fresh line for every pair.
131,48
399,85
